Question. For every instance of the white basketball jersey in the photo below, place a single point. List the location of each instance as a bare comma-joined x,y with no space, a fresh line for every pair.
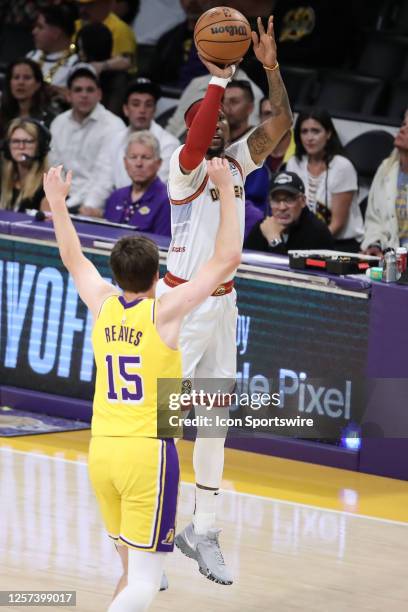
195,209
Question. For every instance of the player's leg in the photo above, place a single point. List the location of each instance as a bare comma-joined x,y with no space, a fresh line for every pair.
147,478
145,570
100,467
219,362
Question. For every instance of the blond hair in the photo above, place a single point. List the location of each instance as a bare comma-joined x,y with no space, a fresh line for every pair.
9,176
146,138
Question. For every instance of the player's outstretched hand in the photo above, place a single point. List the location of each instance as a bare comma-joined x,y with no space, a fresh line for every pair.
219,172
56,189
264,43
223,73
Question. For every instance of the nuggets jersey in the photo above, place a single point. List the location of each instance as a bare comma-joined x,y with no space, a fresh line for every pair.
130,357
195,209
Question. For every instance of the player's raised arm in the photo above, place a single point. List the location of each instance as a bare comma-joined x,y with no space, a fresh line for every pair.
173,306
91,287
202,124
263,140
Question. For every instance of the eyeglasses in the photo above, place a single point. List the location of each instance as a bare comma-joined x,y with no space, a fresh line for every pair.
288,200
17,142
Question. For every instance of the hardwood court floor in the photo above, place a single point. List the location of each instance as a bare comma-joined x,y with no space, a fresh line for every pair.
295,535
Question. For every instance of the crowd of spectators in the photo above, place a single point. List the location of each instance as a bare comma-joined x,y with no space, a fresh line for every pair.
87,95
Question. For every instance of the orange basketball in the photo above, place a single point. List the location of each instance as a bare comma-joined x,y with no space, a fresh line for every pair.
222,35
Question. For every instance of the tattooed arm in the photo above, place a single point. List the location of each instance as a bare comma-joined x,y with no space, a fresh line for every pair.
264,139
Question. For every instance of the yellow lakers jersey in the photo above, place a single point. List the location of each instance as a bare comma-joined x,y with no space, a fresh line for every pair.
130,358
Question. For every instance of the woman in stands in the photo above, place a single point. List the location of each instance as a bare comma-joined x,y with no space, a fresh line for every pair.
25,94
330,178
24,163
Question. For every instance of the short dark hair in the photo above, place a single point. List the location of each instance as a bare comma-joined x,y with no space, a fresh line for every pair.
62,16
82,72
142,85
134,261
96,41
244,85
333,146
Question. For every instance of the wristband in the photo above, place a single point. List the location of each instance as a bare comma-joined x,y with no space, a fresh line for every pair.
275,67
219,81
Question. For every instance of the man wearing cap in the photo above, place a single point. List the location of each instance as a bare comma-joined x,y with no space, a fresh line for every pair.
208,336
291,225
79,134
139,108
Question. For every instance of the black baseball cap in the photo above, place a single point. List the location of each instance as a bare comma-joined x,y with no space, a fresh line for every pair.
82,69
287,181
143,85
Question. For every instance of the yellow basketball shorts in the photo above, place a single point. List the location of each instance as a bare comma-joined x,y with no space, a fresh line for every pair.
136,482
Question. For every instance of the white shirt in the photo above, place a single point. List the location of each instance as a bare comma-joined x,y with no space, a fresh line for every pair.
148,27
50,62
196,90
381,223
112,172
76,146
195,209
340,176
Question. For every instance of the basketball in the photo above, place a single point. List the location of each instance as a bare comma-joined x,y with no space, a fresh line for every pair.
222,35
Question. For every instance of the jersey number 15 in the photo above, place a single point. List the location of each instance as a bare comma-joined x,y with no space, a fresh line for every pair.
133,391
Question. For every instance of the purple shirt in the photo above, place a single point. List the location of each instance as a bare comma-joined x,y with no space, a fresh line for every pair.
150,213
252,215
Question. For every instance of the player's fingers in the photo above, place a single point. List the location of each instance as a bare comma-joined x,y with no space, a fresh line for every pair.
270,26
254,37
261,28
69,177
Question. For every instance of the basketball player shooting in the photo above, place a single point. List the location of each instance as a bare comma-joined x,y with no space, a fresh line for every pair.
208,335
135,338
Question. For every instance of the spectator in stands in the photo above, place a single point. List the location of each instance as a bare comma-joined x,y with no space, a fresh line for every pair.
23,167
54,50
25,94
176,61
148,29
290,224
330,178
80,133
95,43
238,104
144,203
196,90
100,11
386,219
139,108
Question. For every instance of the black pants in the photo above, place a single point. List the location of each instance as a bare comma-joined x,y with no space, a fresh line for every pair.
349,245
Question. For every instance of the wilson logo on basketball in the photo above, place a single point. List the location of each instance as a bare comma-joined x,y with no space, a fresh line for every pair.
232,30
